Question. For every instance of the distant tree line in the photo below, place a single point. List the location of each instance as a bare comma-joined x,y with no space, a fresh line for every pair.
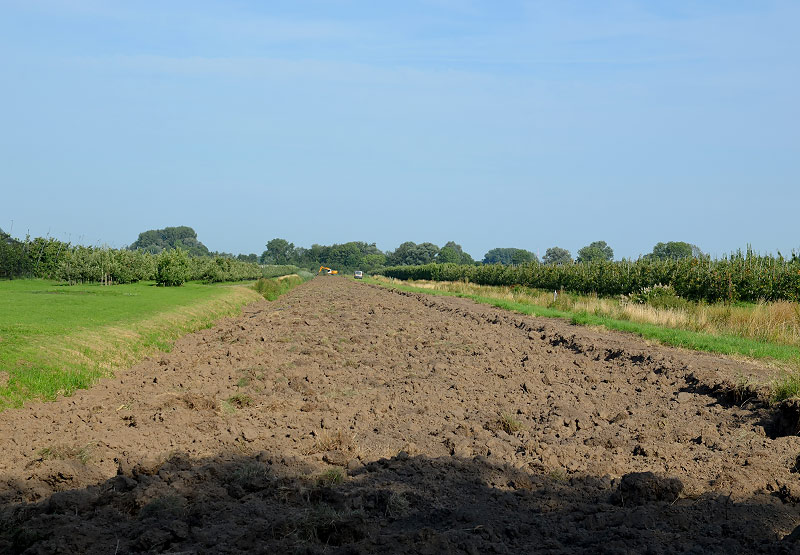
40,256
174,255
47,257
367,257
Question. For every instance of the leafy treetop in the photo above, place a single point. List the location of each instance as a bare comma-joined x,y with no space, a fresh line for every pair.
674,250
557,255
596,251
509,256
156,240
453,253
412,254
279,251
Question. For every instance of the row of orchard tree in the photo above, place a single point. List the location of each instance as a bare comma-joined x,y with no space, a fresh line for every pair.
740,277
53,259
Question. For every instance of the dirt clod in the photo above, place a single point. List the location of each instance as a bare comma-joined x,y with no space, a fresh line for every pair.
639,488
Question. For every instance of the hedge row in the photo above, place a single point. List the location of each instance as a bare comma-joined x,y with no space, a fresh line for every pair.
741,277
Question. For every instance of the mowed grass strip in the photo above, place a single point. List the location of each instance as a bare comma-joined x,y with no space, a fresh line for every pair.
56,338
698,341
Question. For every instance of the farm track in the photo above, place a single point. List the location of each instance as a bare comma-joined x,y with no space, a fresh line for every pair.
347,418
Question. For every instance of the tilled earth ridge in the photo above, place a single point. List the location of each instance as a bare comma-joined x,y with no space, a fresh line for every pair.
347,418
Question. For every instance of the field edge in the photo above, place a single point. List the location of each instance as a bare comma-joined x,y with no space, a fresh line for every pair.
785,358
78,360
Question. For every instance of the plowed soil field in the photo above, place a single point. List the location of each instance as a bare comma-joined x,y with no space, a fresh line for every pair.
347,418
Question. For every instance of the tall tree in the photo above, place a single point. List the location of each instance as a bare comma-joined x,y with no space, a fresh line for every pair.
346,255
674,250
596,251
412,254
279,251
557,255
448,255
372,262
509,256
452,252
180,237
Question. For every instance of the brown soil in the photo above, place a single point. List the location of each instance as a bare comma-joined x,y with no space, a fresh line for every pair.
346,418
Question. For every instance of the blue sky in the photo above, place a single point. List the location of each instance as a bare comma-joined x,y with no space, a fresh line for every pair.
494,124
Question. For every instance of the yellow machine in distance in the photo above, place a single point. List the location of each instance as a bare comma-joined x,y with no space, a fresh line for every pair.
329,271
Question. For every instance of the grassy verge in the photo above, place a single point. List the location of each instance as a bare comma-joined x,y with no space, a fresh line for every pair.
55,338
766,322
272,288
700,341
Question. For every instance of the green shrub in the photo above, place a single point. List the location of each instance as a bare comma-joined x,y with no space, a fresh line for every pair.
659,296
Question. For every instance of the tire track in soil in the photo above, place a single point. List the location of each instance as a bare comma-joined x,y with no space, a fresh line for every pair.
453,427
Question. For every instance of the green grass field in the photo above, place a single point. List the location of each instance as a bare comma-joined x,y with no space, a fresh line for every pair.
56,338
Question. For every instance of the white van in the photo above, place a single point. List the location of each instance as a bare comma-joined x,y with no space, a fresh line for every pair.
359,274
